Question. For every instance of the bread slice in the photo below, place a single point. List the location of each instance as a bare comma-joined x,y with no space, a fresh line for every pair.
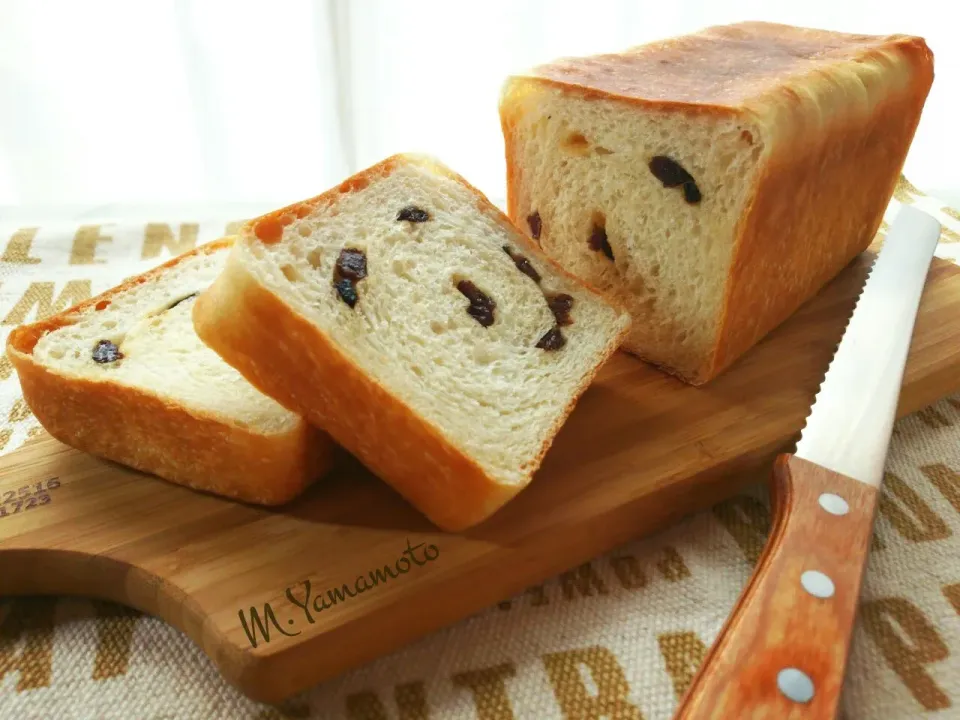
716,181
124,376
402,313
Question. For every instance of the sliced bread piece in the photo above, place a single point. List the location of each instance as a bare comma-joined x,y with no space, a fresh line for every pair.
406,316
124,376
716,181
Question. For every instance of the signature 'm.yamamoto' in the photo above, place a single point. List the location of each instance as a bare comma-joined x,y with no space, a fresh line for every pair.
310,604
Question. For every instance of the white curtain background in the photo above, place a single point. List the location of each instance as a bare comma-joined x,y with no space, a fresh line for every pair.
213,102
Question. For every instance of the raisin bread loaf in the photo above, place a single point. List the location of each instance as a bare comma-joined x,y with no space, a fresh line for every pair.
715,181
404,314
124,376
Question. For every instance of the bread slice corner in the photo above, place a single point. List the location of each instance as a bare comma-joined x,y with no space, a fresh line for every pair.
405,315
124,376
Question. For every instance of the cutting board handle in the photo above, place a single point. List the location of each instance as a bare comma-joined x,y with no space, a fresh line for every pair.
783,650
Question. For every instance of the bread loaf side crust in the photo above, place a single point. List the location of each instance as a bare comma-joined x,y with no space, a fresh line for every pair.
820,200
839,112
241,320
145,431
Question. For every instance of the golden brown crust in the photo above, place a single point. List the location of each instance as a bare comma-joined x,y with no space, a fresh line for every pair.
725,66
240,320
145,431
837,113
817,206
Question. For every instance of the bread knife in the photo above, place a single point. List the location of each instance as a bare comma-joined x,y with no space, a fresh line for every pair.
783,650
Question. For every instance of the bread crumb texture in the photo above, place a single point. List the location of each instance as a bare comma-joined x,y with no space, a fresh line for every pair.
431,292
589,170
143,337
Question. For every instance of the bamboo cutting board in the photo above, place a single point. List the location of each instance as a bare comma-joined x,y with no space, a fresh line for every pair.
281,599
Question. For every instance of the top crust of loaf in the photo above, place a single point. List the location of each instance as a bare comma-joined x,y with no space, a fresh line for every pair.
732,67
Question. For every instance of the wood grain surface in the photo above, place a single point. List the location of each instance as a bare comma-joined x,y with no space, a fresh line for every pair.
348,571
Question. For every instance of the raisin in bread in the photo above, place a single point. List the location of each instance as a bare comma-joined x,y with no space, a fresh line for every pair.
714,181
124,376
406,316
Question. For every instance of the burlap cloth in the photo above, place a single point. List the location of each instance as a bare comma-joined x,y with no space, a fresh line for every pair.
619,637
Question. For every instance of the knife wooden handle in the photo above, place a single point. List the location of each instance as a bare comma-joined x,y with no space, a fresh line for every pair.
789,633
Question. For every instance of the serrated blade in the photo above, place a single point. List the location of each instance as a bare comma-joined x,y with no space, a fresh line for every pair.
849,426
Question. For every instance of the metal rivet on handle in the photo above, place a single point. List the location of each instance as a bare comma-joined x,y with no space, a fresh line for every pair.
795,685
817,584
834,504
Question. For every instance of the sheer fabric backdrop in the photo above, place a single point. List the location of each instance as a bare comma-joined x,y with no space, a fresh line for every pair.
210,101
